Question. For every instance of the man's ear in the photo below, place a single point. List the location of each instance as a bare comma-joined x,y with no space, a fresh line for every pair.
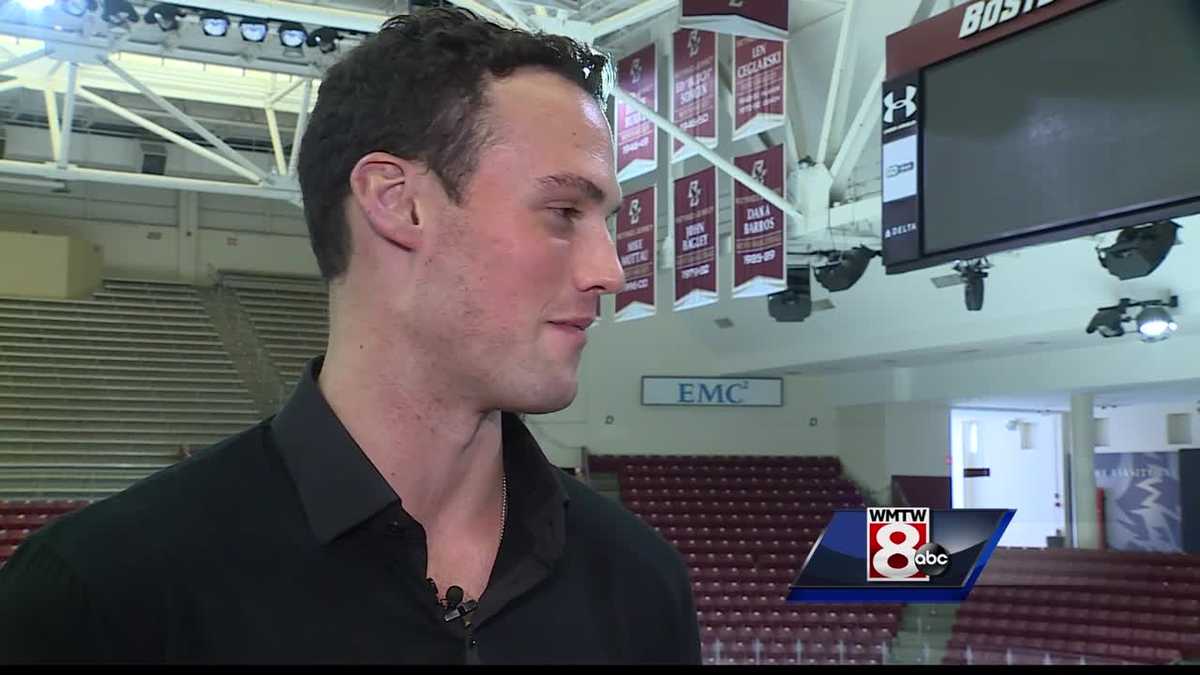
384,188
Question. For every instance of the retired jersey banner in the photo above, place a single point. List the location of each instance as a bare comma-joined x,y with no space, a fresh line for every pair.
759,228
750,18
694,89
696,240
637,151
635,246
759,86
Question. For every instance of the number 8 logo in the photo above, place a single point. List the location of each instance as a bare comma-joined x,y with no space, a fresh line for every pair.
881,561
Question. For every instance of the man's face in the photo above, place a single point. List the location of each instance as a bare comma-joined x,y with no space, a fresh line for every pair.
514,271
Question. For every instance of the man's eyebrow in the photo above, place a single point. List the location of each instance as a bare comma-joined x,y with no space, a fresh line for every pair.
590,190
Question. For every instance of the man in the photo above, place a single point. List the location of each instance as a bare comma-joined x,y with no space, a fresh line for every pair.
457,178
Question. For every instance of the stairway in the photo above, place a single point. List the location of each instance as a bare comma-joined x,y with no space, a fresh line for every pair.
924,631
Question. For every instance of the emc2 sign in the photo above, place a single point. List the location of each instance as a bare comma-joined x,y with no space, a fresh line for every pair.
712,391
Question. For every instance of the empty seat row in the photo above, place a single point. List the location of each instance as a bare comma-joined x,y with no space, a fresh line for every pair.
735,519
39,506
741,494
757,548
1090,600
673,506
1084,555
731,470
1059,646
1186,642
1079,615
1099,570
757,618
741,483
768,574
739,533
809,637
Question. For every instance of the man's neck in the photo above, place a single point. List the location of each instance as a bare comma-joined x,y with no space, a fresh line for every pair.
440,454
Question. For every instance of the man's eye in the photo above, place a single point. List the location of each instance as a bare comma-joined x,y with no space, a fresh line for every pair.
570,213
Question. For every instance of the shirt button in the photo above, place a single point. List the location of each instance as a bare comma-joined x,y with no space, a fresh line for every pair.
474,643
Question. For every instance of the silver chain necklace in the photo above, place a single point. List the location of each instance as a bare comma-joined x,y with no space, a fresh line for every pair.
503,503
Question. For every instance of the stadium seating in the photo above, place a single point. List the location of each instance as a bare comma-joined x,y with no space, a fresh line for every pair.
98,393
743,525
21,517
290,316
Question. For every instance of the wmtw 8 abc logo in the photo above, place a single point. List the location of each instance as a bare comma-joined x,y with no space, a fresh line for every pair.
899,546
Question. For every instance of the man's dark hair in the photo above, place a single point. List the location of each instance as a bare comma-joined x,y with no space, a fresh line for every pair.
416,90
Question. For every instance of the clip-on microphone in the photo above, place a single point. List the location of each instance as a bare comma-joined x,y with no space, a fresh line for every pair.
455,607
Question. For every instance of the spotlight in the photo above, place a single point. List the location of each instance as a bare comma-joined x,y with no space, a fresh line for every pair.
1108,321
166,16
36,5
253,30
292,35
1139,250
972,274
1155,323
214,24
795,303
77,7
118,13
845,268
325,39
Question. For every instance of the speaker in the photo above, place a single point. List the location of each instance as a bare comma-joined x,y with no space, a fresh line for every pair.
1139,250
795,303
154,159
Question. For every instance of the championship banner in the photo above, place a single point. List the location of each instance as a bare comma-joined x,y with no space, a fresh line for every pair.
759,228
636,242
750,18
694,89
696,240
637,151
900,554
759,86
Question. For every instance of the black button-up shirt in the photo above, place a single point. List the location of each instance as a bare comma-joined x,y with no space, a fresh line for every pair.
284,544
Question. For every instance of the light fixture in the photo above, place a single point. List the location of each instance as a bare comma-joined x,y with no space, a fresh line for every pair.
324,39
973,273
292,35
1154,323
845,268
77,7
1139,250
1109,321
118,13
36,5
795,303
166,16
214,24
253,30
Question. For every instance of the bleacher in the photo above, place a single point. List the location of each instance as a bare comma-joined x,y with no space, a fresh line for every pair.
744,524
20,518
96,394
290,316
1104,606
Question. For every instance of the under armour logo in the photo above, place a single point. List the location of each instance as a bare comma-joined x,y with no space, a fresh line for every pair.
907,103
635,211
694,193
635,70
759,171
693,43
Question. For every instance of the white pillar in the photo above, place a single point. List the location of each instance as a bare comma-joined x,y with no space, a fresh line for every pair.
1083,477
189,235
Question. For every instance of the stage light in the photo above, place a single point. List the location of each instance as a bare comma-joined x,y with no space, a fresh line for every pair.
973,273
77,7
1108,321
214,24
1156,324
166,16
292,35
845,268
253,30
324,39
118,13
36,5
795,303
1139,250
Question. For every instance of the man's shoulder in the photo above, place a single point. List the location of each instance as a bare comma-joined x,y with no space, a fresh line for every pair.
603,522
167,515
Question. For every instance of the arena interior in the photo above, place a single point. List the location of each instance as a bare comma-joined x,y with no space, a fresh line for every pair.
158,293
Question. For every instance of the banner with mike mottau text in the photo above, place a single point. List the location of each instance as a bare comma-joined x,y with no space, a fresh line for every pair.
694,89
696,240
759,85
759,228
636,241
637,149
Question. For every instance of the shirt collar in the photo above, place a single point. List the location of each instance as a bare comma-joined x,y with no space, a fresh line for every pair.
340,488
